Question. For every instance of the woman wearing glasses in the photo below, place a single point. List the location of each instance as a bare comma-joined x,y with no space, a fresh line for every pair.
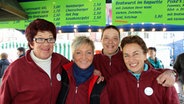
35,78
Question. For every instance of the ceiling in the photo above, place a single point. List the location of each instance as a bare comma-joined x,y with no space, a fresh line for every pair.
11,10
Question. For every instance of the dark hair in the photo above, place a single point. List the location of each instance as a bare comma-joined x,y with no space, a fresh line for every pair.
39,25
21,49
110,27
152,48
134,39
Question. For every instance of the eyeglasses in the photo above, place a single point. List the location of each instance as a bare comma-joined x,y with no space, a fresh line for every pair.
42,40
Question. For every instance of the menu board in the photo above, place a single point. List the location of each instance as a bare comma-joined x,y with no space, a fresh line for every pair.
87,12
36,9
147,11
62,13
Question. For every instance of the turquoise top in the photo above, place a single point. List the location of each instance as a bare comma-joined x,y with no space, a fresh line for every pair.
156,64
138,75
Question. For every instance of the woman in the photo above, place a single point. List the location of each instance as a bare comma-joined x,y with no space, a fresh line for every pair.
110,61
80,86
138,84
35,78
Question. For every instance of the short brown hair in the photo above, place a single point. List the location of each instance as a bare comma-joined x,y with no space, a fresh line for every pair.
4,55
134,39
39,25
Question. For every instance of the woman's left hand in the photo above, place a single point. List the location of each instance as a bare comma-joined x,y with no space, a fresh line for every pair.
98,73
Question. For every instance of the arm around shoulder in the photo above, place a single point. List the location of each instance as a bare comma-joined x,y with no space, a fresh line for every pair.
167,78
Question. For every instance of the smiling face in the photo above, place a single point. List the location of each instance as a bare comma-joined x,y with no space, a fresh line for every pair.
134,57
110,41
43,50
83,56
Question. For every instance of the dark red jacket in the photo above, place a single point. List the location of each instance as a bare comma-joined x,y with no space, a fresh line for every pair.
82,94
124,88
26,83
109,66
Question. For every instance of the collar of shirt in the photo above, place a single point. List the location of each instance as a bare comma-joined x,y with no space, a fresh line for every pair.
138,75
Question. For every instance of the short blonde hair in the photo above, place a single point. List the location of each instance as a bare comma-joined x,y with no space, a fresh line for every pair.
80,40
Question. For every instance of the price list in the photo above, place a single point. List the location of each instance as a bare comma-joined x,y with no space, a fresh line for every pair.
84,12
49,10
148,11
97,11
62,13
56,10
175,12
34,10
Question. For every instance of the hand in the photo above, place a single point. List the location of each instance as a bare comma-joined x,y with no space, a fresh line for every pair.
100,79
167,78
98,73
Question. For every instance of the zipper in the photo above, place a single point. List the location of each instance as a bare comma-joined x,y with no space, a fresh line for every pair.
51,90
110,61
76,90
138,85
